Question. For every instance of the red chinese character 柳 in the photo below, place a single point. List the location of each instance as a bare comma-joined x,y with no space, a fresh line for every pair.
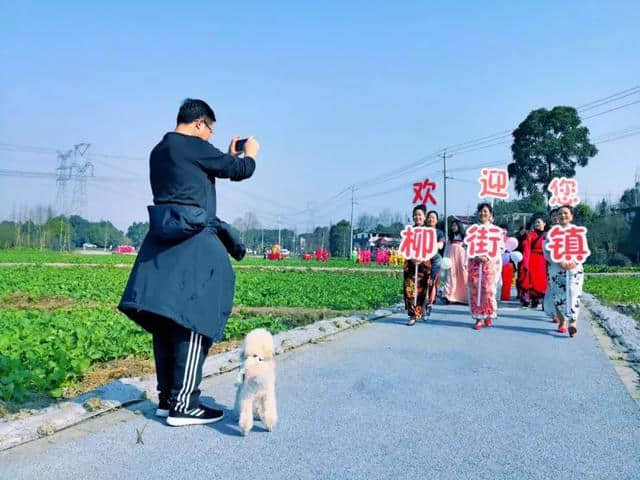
494,183
568,244
418,243
484,240
564,191
419,197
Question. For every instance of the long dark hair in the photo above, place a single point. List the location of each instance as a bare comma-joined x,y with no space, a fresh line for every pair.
461,229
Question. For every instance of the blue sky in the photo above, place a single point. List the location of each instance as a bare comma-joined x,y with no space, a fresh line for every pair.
337,93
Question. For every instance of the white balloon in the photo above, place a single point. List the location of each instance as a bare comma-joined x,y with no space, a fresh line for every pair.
445,264
516,257
511,244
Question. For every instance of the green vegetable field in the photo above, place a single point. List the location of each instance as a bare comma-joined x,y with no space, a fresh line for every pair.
59,322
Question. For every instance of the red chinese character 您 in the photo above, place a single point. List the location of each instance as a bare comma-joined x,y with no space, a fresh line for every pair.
494,183
418,243
564,191
428,186
484,240
568,244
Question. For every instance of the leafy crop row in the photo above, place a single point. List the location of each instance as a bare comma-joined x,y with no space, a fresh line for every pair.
614,289
340,291
44,348
46,351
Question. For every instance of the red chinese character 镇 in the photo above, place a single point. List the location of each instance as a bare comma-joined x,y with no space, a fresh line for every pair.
418,243
568,244
484,240
564,191
419,197
494,183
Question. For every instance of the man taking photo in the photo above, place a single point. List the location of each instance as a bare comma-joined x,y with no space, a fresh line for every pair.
181,286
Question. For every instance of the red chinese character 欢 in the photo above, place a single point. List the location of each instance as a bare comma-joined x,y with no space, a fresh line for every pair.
419,197
564,191
494,183
484,240
418,243
568,244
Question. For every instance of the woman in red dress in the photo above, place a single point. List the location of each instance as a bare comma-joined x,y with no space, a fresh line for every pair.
534,264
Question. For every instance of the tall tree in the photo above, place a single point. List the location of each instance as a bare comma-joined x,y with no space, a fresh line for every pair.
631,197
136,232
547,144
339,239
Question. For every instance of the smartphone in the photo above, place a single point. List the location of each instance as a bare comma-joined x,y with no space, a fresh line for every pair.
240,145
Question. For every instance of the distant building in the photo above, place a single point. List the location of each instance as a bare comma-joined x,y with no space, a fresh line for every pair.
365,240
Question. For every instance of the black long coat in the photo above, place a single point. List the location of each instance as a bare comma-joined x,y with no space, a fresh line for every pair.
187,279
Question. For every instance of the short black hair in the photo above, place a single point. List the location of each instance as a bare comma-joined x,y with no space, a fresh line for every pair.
504,226
568,207
434,212
420,207
485,204
192,109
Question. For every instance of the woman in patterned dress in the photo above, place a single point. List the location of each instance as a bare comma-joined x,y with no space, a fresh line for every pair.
567,279
483,286
548,305
434,280
415,309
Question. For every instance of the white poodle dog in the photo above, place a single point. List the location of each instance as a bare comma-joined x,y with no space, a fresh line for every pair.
256,381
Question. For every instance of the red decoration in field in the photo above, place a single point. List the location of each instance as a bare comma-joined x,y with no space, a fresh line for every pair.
494,183
418,243
322,255
419,197
364,257
564,191
568,244
484,240
382,256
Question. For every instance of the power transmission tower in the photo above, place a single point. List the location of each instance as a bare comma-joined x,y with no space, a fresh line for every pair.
81,168
63,175
72,166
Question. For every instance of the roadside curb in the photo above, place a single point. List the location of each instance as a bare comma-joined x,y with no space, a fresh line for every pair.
127,391
619,337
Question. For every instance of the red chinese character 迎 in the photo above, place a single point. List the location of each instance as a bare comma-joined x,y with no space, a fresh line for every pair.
418,243
494,183
568,244
564,191
419,197
484,240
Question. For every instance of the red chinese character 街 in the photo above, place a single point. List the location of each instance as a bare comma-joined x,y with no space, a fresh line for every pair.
418,243
564,191
568,244
419,197
484,240
494,183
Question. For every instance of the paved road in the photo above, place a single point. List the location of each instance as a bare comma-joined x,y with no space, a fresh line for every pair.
437,400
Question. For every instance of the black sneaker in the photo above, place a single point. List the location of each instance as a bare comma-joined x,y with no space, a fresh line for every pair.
163,409
195,416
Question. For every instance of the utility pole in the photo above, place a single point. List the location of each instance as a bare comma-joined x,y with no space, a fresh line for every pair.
279,239
443,155
353,188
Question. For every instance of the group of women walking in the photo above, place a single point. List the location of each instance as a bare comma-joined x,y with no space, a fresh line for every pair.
474,281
